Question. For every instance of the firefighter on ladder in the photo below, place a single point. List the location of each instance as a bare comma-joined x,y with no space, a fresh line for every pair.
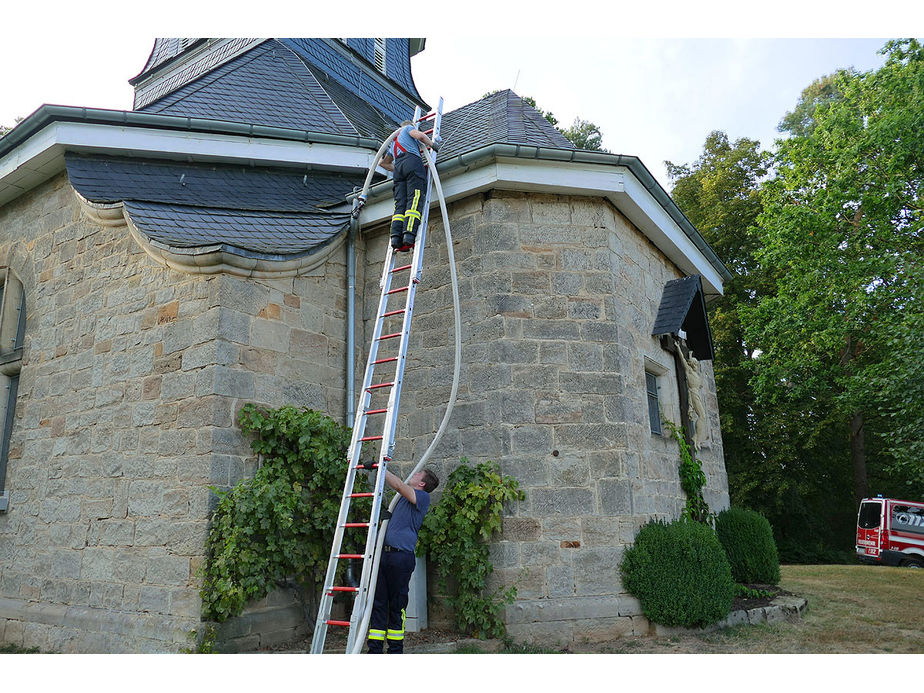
398,560
409,183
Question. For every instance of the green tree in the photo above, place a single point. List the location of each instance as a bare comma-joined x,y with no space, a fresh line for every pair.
585,135
823,90
719,194
841,228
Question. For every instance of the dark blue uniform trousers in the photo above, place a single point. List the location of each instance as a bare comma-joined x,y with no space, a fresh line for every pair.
409,183
390,603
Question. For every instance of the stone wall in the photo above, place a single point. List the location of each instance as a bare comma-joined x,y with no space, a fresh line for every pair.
131,379
558,296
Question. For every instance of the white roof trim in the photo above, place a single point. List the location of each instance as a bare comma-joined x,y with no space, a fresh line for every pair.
42,155
616,183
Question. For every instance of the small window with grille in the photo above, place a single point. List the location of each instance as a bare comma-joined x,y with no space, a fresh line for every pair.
380,55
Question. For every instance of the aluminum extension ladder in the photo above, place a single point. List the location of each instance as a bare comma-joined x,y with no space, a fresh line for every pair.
370,412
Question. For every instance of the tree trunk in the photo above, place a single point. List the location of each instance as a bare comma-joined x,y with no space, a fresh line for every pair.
858,456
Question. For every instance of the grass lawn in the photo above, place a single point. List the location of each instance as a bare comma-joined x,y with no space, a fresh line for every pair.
852,609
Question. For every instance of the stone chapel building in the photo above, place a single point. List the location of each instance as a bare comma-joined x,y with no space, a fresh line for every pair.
161,267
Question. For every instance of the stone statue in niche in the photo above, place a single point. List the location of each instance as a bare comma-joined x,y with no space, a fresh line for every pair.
695,395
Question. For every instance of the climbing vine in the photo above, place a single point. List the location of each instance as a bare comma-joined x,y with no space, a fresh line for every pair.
692,479
276,525
454,533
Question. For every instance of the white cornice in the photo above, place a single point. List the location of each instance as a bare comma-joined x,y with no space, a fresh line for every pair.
615,183
42,155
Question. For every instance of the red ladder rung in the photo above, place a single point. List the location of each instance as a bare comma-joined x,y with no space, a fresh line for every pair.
375,411
375,387
396,291
344,589
350,555
401,268
368,438
392,312
374,466
331,622
388,360
390,336
355,524
361,495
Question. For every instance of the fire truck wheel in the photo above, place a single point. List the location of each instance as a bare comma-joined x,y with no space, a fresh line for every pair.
912,563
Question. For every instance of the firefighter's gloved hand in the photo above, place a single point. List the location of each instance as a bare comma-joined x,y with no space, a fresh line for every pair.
369,466
437,141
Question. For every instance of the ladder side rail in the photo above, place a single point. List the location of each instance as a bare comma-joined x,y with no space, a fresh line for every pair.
360,601
353,458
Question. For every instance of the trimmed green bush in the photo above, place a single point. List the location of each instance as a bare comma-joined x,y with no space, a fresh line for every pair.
679,573
747,539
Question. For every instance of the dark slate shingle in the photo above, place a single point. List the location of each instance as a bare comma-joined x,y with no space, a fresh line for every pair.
113,179
272,212
683,307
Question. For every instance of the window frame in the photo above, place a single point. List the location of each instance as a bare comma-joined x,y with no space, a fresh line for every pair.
654,404
379,55
12,338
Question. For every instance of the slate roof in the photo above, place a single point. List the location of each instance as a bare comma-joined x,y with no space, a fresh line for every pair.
683,307
271,85
166,49
498,118
270,212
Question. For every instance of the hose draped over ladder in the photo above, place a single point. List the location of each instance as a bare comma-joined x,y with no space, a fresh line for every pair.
365,593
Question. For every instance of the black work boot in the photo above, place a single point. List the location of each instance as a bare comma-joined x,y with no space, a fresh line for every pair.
410,239
396,242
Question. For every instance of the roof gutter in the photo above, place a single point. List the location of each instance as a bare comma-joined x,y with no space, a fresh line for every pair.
47,114
478,157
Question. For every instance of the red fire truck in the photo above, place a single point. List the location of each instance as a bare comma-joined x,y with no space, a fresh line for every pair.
891,532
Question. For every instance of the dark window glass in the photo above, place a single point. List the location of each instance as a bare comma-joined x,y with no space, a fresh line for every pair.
10,394
870,515
654,415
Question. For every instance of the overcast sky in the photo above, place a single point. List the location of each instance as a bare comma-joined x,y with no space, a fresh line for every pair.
646,79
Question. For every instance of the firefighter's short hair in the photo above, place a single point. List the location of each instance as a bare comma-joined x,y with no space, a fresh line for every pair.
431,480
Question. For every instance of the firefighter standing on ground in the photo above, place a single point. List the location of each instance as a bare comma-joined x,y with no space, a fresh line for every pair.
398,560
409,182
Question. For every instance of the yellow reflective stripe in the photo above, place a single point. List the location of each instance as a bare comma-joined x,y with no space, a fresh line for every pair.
399,634
397,217
375,634
412,213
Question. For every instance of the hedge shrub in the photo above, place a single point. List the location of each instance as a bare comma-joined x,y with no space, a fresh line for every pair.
747,539
679,573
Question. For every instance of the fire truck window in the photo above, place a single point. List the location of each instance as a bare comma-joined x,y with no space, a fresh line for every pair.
908,519
870,515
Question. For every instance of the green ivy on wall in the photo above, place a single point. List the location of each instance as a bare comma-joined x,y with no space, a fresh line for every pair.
278,524
692,479
454,533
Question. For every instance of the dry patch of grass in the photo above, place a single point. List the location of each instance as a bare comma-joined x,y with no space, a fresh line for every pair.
852,609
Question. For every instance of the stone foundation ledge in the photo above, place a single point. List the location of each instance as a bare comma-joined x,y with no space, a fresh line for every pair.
67,629
782,608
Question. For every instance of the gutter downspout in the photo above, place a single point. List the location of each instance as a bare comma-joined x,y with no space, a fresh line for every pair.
351,339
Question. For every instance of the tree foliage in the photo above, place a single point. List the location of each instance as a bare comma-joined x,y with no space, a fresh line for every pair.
585,135
818,359
841,226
